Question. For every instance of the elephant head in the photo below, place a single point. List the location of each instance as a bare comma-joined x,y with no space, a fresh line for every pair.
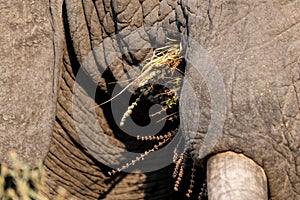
246,91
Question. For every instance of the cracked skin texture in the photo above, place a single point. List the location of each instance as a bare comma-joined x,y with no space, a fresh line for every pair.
256,46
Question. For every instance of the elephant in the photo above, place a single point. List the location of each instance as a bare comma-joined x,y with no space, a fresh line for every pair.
255,46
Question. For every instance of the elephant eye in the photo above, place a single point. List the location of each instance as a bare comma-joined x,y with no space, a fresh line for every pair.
159,82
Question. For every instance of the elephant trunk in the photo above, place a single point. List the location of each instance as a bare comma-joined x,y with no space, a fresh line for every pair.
232,176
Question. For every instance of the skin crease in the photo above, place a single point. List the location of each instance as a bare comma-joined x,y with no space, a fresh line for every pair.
256,48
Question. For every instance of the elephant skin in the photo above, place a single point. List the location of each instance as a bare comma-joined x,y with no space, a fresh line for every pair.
255,46
29,76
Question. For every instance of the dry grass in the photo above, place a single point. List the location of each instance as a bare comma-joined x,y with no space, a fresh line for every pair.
21,182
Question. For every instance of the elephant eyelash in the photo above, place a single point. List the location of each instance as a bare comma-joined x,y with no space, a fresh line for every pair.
164,61
162,140
166,58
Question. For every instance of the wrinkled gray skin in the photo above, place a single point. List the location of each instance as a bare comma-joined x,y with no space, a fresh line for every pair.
256,47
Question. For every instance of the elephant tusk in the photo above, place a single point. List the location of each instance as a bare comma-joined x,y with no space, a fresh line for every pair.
232,176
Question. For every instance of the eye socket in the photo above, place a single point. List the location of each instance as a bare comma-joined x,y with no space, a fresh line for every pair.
148,96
